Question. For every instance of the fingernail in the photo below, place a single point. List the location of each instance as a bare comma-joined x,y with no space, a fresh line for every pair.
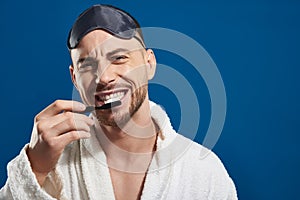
81,106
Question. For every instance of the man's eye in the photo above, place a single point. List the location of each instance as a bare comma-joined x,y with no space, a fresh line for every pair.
119,59
87,67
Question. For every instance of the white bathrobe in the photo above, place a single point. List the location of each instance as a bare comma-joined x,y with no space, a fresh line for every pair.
178,170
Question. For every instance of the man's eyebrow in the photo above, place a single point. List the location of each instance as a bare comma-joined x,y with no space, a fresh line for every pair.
85,59
109,54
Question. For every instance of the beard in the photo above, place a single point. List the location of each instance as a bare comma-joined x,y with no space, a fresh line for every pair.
120,119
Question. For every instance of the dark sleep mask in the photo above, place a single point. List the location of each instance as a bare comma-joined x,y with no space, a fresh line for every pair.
108,18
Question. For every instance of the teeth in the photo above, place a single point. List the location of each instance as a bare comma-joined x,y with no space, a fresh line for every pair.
111,100
112,97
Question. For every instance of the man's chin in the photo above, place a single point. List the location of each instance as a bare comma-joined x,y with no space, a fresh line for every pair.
115,121
119,117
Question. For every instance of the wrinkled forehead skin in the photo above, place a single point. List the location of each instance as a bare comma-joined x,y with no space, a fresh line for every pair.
99,43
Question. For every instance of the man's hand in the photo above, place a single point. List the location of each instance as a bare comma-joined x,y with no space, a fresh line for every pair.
54,128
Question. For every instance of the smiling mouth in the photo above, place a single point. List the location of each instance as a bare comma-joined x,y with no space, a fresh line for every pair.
106,97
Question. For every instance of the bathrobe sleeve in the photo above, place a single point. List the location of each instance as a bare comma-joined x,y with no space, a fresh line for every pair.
220,183
21,183
203,177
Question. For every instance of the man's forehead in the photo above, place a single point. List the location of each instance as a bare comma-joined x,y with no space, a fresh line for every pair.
101,42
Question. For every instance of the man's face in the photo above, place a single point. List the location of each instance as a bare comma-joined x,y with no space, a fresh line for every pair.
106,67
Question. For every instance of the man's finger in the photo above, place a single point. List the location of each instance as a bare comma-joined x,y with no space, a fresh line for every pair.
71,136
70,125
64,122
58,106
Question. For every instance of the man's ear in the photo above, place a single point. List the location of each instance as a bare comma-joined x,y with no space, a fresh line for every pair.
151,63
73,77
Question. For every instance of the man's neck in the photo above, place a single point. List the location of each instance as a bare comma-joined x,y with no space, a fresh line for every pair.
132,138
132,146
137,135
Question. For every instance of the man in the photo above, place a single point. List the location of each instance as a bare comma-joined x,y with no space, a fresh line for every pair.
126,148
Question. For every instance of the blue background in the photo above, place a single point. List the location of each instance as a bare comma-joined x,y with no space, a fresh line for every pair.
255,45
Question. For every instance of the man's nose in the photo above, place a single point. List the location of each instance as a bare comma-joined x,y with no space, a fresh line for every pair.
106,75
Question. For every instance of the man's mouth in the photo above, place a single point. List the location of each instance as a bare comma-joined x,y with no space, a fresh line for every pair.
105,97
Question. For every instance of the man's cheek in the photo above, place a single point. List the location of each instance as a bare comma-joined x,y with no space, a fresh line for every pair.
87,90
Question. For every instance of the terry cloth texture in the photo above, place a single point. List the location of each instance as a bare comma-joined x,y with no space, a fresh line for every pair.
176,172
